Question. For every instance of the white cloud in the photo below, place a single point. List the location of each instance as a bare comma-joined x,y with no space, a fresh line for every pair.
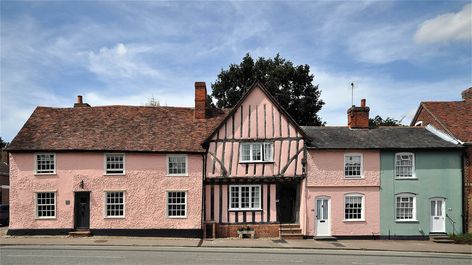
447,27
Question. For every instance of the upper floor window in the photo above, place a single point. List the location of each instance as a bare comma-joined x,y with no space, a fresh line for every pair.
177,165
353,165
354,207
114,164
405,207
404,165
45,163
245,197
257,152
45,205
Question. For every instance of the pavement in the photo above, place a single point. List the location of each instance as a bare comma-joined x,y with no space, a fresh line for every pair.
379,245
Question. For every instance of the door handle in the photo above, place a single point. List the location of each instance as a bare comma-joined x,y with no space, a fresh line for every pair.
322,221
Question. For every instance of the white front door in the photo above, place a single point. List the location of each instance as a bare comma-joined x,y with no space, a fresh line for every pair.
323,226
438,215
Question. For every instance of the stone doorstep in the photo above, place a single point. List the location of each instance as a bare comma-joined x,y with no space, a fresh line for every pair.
291,236
325,238
80,233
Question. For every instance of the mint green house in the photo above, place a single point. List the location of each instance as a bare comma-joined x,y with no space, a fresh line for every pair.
421,190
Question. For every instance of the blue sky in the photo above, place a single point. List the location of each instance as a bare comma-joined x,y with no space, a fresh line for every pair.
398,53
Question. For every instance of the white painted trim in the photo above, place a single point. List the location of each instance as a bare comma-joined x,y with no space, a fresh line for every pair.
361,176
105,204
6,187
167,204
230,199
419,123
112,173
36,164
443,135
36,205
186,165
251,144
405,194
362,209
413,166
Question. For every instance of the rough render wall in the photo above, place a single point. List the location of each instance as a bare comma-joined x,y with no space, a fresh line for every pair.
275,125
325,177
145,185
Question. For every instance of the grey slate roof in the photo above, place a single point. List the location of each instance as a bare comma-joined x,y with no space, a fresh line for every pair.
377,138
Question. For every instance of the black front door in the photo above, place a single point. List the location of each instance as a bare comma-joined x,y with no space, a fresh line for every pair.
82,209
287,202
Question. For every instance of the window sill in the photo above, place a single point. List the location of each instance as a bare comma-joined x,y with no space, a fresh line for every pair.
176,175
407,221
114,174
177,217
410,178
45,218
256,162
354,177
45,174
354,220
114,217
244,210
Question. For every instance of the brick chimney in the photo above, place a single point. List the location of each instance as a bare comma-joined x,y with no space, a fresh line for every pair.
467,94
358,117
200,100
80,103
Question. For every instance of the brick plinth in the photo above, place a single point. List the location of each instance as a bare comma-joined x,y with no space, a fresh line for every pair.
261,230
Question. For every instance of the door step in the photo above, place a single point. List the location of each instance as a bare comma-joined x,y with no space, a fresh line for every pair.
290,231
325,238
80,233
440,238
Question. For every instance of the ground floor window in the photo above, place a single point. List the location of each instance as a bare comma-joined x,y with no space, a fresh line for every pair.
177,204
354,207
46,205
245,197
115,204
405,207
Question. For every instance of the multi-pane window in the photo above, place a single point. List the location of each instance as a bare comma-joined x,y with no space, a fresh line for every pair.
176,204
115,163
45,163
245,197
257,152
115,204
353,207
46,204
177,165
404,165
353,165
405,207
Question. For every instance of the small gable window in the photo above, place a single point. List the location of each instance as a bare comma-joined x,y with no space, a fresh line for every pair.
177,165
353,165
257,152
114,164
404,165
45,163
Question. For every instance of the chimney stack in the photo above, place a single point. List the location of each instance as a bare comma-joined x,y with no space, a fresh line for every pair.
358,117
80,103
467,94
200,100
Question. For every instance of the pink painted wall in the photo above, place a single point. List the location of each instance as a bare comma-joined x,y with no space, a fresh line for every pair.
261,120
145,185
325,177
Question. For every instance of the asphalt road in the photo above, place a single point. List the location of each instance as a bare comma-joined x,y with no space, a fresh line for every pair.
187,255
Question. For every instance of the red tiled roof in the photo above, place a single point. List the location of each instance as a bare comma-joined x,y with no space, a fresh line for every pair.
116,128
454,116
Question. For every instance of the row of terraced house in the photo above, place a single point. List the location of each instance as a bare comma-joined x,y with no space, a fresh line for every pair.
206,172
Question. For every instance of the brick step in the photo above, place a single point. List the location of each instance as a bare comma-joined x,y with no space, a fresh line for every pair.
291,236
290,230
443,241
289,225
80,233
438,236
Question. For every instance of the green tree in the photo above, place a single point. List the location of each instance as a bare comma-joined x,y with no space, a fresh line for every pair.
378,121
152,102
291,85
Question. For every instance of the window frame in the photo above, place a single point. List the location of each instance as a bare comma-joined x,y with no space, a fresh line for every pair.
36,205
179,174
414,209
105,205
251,144
36,164
413,168
114,173
186,204
361,175
239,186
362,219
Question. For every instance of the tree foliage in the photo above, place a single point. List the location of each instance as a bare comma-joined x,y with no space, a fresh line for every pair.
3,144
291,85
153,102
378,121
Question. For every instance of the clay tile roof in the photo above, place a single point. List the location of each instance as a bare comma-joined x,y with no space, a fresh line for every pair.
379,138
455,116
116,128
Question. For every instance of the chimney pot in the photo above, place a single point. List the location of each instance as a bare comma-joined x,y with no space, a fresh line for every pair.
79,99
80,102
363,102
200,100
358,117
